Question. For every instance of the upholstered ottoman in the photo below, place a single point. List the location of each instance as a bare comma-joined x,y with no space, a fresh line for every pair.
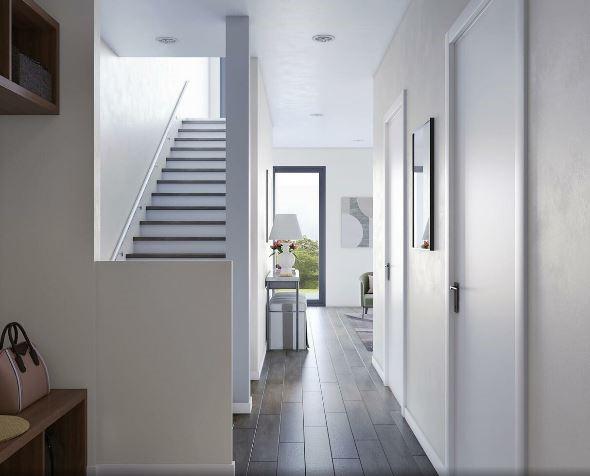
282,321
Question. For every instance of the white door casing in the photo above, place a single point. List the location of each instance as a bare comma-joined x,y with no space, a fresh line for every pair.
486,196
396,248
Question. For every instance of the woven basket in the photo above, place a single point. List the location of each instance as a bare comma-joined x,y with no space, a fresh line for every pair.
12,426
29,74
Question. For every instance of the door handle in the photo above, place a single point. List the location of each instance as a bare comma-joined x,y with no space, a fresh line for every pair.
388,271
456,289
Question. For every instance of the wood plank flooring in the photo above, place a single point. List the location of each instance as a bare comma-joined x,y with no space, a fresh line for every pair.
325,411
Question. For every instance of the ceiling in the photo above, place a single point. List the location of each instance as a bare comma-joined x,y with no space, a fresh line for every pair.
302,77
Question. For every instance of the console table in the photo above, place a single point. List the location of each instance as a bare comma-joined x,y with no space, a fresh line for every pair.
63,413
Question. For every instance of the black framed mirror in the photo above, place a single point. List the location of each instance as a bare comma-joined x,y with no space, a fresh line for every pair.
423,186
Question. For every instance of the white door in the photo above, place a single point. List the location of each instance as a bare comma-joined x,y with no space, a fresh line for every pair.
395,305
486,104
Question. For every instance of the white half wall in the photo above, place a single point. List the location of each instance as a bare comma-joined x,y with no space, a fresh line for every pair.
163,351
349,173
260,260
137,97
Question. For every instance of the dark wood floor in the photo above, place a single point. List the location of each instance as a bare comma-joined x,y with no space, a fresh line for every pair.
325,411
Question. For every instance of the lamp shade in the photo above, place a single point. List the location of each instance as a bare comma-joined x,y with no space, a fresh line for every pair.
285,227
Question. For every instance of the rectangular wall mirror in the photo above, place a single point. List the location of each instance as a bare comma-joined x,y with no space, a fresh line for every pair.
422,166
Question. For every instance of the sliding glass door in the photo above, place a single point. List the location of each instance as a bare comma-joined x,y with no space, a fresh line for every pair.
302,190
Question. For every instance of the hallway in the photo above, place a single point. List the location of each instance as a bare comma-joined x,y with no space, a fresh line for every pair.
325,411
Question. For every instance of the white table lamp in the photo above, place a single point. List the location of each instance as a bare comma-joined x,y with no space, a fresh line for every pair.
286,228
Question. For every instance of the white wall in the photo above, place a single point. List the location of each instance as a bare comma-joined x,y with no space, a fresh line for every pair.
415,61
559,224
75,310
559,192
260,260
137,97
349,173
47,276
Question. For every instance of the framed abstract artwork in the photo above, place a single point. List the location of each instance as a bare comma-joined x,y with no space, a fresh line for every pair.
357,222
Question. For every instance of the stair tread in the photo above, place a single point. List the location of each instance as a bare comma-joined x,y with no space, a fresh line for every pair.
176,255
201,139
182,207
168,169
183,129
191,181
183,222
205,149
189,194
179,238
195,159
203,121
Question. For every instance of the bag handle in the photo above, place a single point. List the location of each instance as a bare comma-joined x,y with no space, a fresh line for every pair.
4,331
32,351
13,338
13,335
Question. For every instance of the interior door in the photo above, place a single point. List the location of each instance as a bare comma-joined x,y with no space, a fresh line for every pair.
484,265
396,172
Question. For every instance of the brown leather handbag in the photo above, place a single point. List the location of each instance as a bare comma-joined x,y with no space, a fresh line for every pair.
23,374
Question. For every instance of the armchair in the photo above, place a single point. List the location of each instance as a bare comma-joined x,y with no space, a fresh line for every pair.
366,297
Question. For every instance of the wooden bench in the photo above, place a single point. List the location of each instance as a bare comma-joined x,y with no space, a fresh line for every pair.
63,413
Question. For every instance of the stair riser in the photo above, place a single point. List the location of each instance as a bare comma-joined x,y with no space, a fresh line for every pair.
219,144
179,247
191,187
198,153
194,164
203,125
193,215
188,201
201,135
193,175
182,230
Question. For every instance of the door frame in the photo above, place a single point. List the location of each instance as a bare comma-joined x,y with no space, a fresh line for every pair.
464,22
398,107
321,171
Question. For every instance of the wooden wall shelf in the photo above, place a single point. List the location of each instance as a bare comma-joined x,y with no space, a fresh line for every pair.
62,414
26,26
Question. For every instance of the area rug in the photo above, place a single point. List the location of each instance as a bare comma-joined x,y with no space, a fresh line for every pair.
363,328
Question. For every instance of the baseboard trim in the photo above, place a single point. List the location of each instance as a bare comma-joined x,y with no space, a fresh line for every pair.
378,368
162,469
242,407
426,446
256,373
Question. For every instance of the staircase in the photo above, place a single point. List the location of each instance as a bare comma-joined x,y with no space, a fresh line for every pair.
186,217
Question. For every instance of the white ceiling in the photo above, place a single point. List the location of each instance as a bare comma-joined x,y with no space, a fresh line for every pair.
302,77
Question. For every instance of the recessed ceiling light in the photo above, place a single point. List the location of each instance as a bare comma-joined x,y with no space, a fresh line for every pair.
317,114
166,40
323,38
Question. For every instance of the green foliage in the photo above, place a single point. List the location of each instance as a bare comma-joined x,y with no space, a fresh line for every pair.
308,263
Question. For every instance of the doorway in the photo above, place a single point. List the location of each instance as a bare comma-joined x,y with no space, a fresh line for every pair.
302,191
396,244
486,229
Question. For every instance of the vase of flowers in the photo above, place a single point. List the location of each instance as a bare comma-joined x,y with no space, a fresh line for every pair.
283,250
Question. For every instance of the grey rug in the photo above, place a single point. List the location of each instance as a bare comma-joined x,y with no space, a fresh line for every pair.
363,328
